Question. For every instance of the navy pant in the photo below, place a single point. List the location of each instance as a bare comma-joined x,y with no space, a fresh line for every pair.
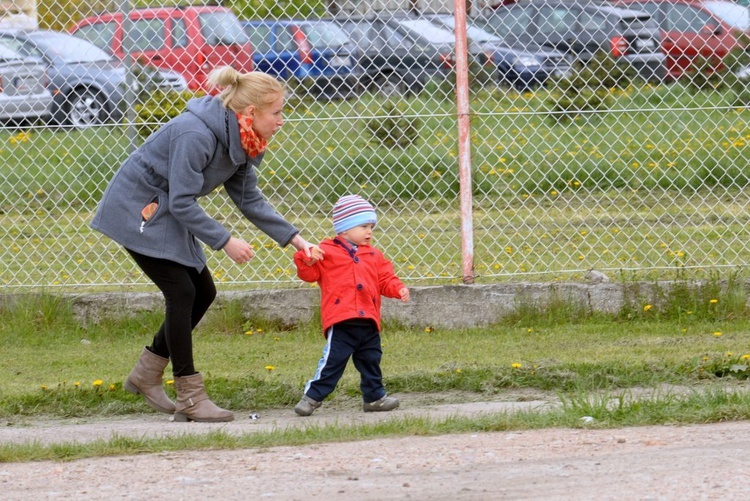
355,339
187,295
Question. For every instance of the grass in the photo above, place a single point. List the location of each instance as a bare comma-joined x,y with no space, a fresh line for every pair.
597,365
613,190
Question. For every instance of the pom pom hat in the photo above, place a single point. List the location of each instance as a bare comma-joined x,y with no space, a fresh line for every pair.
351,211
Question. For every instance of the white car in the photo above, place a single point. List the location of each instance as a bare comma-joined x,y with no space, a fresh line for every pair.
23,87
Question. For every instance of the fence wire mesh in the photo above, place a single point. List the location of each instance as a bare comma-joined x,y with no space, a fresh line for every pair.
607,136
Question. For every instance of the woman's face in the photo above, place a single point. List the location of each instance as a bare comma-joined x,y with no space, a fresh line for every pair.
268,120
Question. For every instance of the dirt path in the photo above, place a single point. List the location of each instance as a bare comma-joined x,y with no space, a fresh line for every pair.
702,462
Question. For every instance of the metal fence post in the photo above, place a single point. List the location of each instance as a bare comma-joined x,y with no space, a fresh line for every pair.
464,144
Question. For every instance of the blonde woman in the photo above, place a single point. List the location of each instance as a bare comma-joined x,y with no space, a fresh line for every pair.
151,208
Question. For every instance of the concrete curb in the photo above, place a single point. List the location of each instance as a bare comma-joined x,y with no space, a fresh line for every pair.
454,306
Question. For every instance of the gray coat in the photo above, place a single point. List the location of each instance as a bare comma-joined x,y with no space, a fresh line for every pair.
187,158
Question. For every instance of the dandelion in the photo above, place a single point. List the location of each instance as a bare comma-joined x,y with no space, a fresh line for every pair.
44,387
428,329
77,384
714,301
516,365
269,368
647,307
111,387
170,382
98,383
717,334
458,371
730,354
746,356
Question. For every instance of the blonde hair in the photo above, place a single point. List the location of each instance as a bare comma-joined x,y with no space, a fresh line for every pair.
240,90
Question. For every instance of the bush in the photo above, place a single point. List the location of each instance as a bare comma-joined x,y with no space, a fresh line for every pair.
159,108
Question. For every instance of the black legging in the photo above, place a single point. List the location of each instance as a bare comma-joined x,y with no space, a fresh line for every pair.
187,295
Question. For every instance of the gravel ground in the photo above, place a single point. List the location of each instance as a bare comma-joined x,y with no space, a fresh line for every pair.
702,462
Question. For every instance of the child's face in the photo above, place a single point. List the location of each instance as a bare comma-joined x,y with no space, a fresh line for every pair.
359,235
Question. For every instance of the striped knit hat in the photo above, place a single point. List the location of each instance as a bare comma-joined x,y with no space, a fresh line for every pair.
351,211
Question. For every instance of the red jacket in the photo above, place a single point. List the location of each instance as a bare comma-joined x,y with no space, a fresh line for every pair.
351,282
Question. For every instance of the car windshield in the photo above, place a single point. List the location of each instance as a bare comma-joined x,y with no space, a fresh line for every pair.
222,28
473,32
325,35
736,16
69,48
430,32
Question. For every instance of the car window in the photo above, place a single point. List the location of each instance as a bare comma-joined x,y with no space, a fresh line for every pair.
23,48
394,39
473,31
147,35
593,21
284,39
222,28
514,21
682,17
179,33
557,19
260,35
324,35
427,30
7,52
99,34
637,22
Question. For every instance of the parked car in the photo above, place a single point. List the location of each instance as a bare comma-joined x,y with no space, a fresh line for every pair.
86,83
23,87
191,41
580,29
516,67
399,53
309,51
688,30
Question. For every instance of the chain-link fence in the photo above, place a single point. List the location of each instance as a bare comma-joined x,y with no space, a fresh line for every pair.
547,138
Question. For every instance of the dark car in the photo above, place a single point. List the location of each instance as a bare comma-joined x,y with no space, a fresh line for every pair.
399,53
689,31
317,52
516,67
580,29
87,84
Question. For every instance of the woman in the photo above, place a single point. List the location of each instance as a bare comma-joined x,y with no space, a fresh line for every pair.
151,208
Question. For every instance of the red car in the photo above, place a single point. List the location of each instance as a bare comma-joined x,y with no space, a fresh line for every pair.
188,40
688,30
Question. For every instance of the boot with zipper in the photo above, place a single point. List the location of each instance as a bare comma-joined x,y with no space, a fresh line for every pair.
146,379
194,405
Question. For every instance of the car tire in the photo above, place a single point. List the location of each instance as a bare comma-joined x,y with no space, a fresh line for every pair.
85,107
390,85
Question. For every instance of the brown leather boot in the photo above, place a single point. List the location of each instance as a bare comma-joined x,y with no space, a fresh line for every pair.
193,403
146,379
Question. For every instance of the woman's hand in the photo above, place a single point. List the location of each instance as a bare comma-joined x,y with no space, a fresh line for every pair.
238,250
313,253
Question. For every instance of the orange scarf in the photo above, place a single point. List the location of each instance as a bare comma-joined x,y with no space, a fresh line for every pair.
251,143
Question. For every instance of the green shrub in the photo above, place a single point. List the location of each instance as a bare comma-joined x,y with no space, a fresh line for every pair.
394,130
159,108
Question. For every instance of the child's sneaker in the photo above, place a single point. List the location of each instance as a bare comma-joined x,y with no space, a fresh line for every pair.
306,406
384,404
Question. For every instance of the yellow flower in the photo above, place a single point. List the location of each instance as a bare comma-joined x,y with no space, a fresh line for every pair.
745,356
44,387
111,387
647,307
428,329
170,382
458,371
98,383
270,367
717,334
714,301
77,384
516,365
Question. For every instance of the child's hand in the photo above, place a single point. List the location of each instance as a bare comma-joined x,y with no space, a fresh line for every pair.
404,293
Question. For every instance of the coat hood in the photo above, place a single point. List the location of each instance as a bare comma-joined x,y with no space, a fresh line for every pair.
222,122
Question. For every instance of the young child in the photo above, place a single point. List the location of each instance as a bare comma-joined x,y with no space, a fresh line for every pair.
352,277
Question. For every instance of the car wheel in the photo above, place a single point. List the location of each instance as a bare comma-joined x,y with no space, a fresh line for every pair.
391,85
84,107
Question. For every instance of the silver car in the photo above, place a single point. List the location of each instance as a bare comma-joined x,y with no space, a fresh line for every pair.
23,87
